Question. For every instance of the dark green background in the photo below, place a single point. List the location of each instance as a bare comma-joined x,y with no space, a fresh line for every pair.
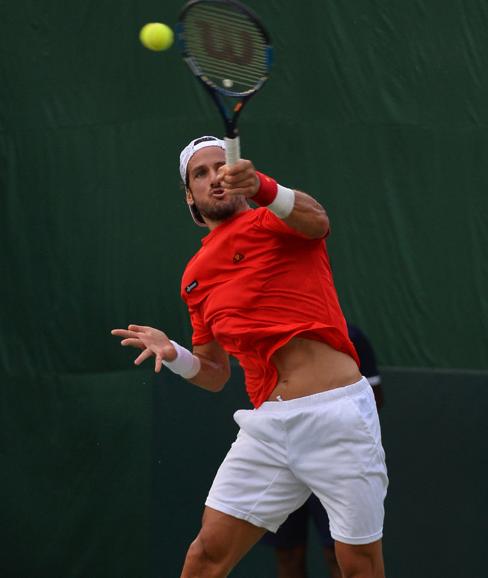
377,108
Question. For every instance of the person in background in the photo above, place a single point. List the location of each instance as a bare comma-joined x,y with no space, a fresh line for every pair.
290,542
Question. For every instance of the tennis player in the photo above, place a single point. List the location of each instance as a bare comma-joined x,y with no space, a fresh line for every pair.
260,288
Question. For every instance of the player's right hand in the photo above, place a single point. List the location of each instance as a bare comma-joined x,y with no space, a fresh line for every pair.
239,179
153,342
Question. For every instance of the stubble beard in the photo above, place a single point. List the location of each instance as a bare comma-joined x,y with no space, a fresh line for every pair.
220,210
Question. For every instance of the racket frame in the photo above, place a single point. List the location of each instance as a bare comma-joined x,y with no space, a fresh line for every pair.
220,94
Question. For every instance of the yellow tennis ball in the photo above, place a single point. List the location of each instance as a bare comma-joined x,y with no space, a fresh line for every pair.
156,36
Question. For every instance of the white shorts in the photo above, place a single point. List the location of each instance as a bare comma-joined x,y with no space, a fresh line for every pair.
328,443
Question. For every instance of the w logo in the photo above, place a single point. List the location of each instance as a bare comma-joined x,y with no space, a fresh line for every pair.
235,47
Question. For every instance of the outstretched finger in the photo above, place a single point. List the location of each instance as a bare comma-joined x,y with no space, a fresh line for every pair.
158,363
133,343
124,333
146,354
139,328
119,332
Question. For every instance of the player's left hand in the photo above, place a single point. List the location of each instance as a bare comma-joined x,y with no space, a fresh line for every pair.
239,179
153,342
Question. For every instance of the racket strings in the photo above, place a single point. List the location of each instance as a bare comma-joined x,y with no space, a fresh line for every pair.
226,44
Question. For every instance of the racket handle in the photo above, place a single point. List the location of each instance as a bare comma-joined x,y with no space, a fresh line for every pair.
232,150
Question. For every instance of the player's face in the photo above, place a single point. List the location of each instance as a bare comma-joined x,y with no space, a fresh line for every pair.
204,189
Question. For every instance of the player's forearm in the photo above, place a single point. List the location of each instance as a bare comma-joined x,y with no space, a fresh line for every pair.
308,217
212,375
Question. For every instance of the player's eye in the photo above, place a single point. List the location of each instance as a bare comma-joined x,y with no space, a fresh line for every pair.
199,173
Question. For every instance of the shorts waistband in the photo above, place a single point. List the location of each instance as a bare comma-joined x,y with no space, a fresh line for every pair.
316,398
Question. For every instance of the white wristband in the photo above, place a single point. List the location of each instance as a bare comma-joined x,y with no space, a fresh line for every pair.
185,363
283,203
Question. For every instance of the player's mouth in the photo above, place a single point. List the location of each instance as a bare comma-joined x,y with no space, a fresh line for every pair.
218,193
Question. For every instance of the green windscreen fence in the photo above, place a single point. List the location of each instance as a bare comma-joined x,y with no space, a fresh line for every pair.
380,111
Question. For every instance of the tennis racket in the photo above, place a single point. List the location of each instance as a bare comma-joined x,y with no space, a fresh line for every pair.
229,51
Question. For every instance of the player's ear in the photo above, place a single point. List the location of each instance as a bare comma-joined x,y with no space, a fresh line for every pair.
189,197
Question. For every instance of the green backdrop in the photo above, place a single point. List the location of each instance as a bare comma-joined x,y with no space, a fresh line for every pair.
378,109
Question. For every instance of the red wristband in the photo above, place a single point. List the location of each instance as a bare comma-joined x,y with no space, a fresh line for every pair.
268,189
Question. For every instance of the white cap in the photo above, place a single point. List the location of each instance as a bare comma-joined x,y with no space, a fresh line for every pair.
193,147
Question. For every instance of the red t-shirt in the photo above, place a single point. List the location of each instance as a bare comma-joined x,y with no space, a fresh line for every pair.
254,284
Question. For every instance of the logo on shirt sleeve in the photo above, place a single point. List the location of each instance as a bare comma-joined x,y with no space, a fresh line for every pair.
189,288
238,257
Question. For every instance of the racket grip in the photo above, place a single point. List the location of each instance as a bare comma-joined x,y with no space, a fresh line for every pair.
232,150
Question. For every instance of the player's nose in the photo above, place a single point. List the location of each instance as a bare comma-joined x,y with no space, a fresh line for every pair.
216,176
